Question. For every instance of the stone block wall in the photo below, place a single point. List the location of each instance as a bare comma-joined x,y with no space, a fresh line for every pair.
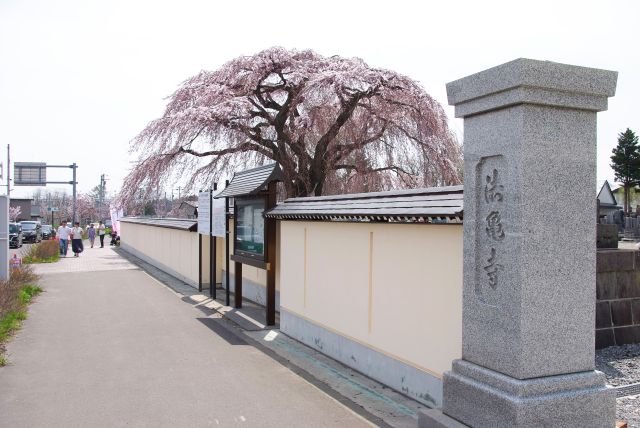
618,298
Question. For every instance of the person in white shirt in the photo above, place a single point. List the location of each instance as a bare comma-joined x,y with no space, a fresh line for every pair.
101,233
76,240
63,236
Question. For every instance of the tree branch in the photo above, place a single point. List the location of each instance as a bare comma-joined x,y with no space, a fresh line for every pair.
393,168
244,147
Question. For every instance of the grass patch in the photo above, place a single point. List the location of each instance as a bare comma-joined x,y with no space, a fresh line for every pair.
15,296
10,323
44,252
29,260
26,293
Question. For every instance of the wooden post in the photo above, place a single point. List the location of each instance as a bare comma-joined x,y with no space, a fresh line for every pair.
270,225
227,237
238,290
212,248
199,262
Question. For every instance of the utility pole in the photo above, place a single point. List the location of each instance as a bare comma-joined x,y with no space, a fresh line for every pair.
74,167
166,204
9,172
101,196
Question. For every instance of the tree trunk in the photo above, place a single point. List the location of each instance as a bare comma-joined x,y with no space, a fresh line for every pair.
626,200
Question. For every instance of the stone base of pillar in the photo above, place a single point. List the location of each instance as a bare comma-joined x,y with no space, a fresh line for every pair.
480,397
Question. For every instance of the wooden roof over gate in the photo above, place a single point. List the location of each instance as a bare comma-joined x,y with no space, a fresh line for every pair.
426,205
251,181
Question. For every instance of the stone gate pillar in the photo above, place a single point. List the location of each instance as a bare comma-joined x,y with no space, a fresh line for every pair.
529,249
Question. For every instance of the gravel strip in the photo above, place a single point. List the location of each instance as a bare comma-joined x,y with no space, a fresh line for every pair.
628,410
621,365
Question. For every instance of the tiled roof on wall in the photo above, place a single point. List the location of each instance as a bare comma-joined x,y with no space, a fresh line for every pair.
426,205
170,223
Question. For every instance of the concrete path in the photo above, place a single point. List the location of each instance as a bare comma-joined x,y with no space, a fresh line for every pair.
90,260
112,348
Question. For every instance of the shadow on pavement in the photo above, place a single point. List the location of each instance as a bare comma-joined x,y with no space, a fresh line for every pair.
214,325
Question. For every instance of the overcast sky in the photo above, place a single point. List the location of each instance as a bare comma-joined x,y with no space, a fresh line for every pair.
79,79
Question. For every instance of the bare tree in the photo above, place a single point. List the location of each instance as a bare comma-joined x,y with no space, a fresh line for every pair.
334,125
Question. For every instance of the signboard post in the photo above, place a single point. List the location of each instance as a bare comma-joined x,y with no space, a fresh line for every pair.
212,248
253,192
227,235
52,210
35,174
4,237
211,222
203,228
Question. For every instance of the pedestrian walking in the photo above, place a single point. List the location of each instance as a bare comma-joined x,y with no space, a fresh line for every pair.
76,240
63,236
101,233
91,232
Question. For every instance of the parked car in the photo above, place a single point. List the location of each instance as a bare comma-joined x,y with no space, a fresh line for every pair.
48,232
32,231
15,235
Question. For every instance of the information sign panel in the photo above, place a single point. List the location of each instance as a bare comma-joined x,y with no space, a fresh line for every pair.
249,228
219,220
204,201
30,174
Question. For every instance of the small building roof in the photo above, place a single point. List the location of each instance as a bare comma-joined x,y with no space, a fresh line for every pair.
170,223
252,181
192,204
426,205
606,196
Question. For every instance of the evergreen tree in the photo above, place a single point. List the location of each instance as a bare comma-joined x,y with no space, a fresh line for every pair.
625,163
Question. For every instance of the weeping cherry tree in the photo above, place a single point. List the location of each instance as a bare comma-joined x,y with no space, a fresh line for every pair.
333,124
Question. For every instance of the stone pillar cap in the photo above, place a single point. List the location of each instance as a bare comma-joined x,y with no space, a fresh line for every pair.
529,81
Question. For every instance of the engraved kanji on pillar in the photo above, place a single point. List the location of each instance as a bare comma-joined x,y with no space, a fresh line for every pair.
490,232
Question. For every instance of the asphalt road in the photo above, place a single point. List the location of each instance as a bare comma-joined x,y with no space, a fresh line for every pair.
114,348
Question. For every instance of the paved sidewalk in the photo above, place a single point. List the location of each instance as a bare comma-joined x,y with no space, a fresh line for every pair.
112,348
379,403
91,260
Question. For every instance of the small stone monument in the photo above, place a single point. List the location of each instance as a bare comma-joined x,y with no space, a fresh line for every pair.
529,250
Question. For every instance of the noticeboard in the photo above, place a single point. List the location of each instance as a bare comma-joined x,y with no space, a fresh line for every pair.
204,219
249,227
204,216
219,218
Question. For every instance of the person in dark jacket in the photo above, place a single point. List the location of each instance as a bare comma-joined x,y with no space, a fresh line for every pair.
76,239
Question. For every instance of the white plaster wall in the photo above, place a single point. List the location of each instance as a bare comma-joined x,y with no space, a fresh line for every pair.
178,250
396,288
171,248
